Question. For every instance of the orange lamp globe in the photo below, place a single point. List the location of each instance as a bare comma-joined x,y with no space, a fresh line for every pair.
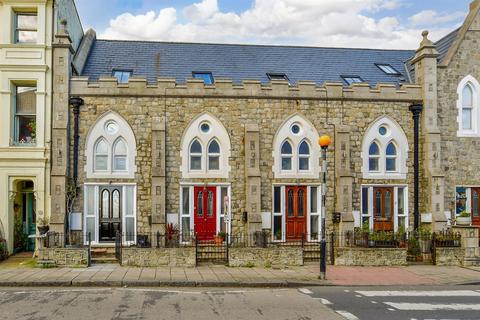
324,141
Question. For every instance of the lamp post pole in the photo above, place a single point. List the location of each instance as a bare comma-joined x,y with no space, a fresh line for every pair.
324,142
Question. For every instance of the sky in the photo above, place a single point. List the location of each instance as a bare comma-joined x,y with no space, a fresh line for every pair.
388,24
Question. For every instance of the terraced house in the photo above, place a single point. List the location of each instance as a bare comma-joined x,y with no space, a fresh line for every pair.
219,138
26,37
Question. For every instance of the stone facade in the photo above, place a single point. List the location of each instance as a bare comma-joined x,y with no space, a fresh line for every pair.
65,257
370,257
153,257
239,108
459,154
279,256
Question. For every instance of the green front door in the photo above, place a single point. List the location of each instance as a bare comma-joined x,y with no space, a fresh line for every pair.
31,220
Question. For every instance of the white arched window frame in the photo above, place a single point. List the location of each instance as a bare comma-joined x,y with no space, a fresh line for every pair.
297,130
120,155
287,154
215,152
304,156
468,117
195,155
115,133
389,159
101,155
374,157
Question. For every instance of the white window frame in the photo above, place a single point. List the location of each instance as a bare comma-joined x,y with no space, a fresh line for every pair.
394,134
378,156
369,215
115,155
16,29
96,215
307,133
394,157
217,132
282,212
219,202
124,132
213,154
468,191
469,80
190,155
304,156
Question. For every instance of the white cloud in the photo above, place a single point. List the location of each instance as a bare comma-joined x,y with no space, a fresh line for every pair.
432,17
347,23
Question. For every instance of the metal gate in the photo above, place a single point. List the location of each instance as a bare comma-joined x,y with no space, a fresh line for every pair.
211,251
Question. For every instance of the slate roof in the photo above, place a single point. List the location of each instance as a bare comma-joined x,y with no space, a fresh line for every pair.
240,62
444,44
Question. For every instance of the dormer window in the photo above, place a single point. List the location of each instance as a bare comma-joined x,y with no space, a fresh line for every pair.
207,77
278,76
26,27
352,79
122,75
388,69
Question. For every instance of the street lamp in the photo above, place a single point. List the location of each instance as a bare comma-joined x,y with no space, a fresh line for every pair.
324,142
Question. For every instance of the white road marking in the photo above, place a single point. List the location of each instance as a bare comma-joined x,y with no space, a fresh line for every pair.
391,309
347,315
358,296
346,290
445,293
323,301
433,306
373,301
305,291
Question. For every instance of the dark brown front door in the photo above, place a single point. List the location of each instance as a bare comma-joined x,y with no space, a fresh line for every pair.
296,208
383,209
110,213
476,206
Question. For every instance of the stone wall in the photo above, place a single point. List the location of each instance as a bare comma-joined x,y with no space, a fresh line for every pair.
64,257
450,256
370,256
153,257
266,108
459,154
280,256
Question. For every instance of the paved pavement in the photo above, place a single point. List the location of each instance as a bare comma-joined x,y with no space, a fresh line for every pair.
405,302
212,275
158,303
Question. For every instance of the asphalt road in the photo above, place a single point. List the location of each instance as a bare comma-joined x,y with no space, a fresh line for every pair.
395,303
139,303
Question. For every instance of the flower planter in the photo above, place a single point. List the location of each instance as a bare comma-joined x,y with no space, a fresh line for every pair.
218,240
463,221
43,229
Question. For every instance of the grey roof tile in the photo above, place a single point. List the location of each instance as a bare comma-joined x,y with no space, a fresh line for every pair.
240,62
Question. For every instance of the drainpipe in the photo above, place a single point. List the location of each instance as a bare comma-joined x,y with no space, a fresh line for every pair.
416,110
76,102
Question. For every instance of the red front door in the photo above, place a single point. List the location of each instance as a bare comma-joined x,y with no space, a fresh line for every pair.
205,212
476,206
296,208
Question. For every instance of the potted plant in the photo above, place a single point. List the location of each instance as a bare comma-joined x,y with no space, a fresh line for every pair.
425,240
463,219
414,249
42,225
171,234
220,237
